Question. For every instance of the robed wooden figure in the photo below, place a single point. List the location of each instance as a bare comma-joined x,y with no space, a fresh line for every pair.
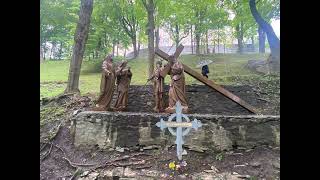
177,91
158,84
123,75
107,85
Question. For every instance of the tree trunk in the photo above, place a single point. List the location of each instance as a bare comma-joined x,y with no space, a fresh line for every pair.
176,39
191,40
197,41
207,43
105,40
262,40
150,9
60,51
134,45
197,33
113,47
44,53
157,34
118,49
139,46
273,40
41,55
252,42
100,46
51,51
218,42
70,52
80,39
224,48
239,38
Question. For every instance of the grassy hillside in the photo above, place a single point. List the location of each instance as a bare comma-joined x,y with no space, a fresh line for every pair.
227,69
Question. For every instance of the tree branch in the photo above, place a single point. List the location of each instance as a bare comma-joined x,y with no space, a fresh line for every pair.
186,35
125,27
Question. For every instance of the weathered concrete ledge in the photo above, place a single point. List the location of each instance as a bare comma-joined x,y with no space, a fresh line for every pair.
219,132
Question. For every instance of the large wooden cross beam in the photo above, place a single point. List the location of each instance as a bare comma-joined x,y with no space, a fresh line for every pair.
206,81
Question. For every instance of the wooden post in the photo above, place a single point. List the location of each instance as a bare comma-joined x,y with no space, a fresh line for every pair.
206,81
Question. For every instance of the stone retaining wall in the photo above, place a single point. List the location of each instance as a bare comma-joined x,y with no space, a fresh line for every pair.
219,132
201,99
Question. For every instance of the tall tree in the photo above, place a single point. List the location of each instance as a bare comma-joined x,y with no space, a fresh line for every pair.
177,21
269,10
150,7
127,12
105,31
273,40
242,21
239,31
199,14
80,39
57,24
208,15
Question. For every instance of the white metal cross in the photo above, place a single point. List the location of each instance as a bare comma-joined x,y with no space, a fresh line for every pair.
182,128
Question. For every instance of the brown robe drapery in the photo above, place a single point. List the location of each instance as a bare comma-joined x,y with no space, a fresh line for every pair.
107,85
158,84
123,83
177,86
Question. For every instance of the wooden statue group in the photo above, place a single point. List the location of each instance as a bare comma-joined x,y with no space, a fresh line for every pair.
122,76
111,74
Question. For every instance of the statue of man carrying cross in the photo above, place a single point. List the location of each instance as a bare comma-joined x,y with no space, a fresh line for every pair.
178,83
177,91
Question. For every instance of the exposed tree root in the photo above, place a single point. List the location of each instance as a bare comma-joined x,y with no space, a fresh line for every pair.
47,153
50,141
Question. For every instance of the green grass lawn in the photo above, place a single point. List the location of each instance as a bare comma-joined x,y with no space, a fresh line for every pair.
226,70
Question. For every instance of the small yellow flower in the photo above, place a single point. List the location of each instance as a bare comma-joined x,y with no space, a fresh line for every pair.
172,165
